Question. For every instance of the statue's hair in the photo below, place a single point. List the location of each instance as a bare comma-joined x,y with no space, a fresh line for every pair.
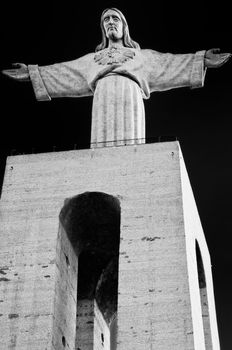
127,41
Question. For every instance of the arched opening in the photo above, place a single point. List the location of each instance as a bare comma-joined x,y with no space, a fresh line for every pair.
91,222
204,299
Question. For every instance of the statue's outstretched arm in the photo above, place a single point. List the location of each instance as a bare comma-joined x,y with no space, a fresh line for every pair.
215,59
19,73
65,79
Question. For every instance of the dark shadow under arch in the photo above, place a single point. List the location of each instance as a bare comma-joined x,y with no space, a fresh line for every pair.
92,223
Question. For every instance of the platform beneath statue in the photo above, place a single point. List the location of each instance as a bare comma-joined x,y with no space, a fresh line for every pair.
160,295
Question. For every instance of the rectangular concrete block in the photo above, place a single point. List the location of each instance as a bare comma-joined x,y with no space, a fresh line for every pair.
160,300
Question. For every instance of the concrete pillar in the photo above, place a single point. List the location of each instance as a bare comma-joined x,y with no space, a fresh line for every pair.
92,331
159,297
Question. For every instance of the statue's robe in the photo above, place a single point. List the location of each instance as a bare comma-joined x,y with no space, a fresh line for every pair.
119,80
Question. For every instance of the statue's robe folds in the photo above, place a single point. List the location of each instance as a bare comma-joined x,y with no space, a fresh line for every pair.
119,80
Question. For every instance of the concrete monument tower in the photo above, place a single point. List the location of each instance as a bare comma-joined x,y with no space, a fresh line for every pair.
103,248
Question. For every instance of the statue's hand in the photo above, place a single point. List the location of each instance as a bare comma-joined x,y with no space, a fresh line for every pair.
215,59
20,72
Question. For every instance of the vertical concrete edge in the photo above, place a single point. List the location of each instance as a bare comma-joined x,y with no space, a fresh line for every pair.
193,232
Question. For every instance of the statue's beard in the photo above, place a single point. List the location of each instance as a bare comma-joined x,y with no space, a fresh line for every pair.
113,35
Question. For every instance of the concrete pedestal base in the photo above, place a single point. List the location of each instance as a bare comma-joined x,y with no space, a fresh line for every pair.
165,292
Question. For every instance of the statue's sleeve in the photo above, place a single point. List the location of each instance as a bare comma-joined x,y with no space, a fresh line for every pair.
66,79
168,71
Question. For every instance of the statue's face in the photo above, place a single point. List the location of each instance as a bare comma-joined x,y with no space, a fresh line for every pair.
113,25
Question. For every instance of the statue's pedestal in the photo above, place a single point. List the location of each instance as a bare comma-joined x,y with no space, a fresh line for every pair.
162,303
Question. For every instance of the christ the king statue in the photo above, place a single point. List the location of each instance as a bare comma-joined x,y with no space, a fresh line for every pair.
119,75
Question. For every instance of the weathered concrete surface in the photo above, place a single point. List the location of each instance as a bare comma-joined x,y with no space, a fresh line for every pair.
159,304
65,294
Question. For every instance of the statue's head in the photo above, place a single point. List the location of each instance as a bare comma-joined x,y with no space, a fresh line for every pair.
127,41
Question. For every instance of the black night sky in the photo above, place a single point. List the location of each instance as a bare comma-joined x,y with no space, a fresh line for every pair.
46,32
